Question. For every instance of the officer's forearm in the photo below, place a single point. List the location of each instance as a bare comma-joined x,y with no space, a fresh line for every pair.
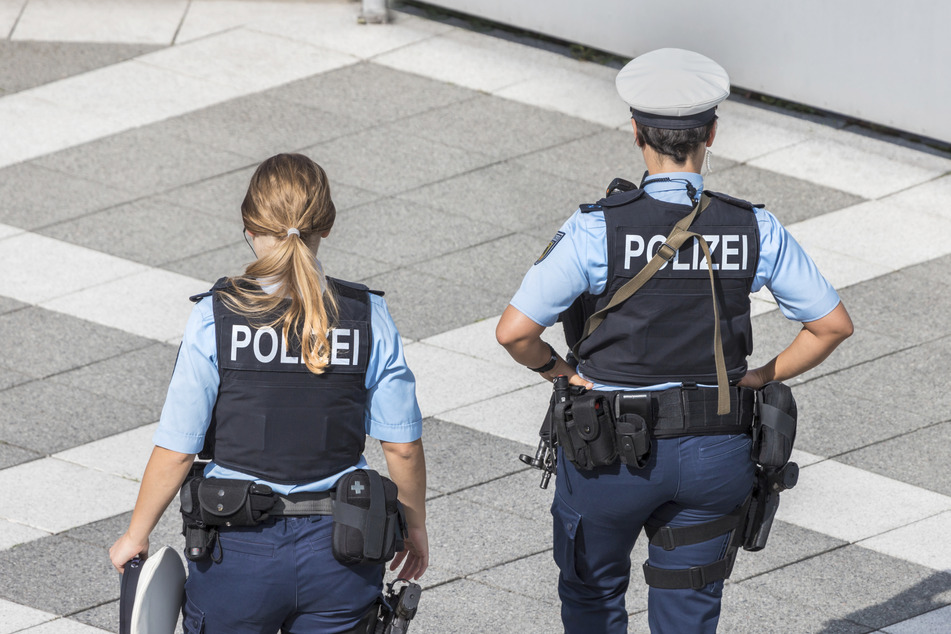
406,463
163,478
812,345
521,338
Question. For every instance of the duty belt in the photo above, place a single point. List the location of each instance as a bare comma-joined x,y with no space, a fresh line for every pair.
319,503
692,411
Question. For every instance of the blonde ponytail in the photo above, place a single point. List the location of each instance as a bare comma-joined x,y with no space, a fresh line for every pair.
288,199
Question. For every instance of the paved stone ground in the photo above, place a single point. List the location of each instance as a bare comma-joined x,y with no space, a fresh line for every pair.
129,133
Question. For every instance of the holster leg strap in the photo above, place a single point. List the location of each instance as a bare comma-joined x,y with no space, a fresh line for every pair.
694,578
669,537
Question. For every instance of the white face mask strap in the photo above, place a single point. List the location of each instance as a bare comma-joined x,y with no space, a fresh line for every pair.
707,160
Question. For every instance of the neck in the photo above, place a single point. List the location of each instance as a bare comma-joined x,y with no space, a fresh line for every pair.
662,164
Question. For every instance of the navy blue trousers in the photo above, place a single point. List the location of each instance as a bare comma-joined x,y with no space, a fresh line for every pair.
279,575
598,515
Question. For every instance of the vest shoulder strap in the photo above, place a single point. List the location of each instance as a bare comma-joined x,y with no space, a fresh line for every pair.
222,282
351,288
621,198
736,202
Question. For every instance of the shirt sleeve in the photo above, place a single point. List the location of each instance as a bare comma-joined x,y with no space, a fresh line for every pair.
193,388
575,262
800,290
392,413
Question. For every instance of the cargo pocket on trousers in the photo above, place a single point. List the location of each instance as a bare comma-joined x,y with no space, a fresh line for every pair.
567,533
193,619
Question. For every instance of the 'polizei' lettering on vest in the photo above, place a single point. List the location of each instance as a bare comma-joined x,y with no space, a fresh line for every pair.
730,252
269,346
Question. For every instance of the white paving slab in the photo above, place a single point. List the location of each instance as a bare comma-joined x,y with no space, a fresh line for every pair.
15,617
132,93
6,231
804,459
131,21
467,59
33,126
37,268
742,137
336,28
516,415
846,502
933,198
124,454
862,171
448,380
925,542
246,60
71,495
880,234
587,93
12,534
934,622
9,12
151,304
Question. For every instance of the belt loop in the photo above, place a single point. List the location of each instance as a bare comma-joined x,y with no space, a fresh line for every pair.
666,537
697,578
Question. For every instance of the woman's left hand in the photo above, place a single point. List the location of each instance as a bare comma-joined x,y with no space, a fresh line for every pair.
416,554
125,549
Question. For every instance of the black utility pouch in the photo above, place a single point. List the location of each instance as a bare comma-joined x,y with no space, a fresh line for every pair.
634,415
226,502
774,426
591,432
369,525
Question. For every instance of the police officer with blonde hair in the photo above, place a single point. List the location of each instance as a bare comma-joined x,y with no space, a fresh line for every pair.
281,375
670,354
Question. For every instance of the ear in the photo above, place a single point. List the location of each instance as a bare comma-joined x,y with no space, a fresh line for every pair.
324,234
713,133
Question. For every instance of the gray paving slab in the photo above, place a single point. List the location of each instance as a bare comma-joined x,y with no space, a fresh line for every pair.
81,568
231,259
498,127
46,416
748,610
8,305
402,232
424,305
32,197
219,195
12,455
37,348
507,195
772,332
258,126
789,199
104,533
27,64
497,265
140,376
834,420
787,544
458,457
105,616
856,585
345,265
9,378
391,161
469,606
536,576
465,541
152,231
594,160
143,162
897,305
918,458
518,493
369,92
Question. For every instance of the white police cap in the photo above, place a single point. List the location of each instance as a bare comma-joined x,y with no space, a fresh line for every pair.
672,88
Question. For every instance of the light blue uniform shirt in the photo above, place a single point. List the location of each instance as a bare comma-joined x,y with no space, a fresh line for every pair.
578,263
392,413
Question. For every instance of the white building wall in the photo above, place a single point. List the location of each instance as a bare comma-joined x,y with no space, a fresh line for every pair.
883,61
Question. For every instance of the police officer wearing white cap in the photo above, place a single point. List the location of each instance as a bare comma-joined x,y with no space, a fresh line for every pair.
676,357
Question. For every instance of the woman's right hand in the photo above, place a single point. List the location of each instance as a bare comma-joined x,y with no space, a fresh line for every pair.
125,549
416,554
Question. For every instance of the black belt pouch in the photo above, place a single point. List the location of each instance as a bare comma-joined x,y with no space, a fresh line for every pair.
774,428
226,502
369,525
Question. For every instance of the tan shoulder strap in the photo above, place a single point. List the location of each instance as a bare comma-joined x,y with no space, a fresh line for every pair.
678,235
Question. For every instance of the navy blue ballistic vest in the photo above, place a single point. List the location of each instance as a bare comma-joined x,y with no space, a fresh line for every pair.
276,420
664,332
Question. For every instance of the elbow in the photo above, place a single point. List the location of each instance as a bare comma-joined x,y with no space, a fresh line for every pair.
407,451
